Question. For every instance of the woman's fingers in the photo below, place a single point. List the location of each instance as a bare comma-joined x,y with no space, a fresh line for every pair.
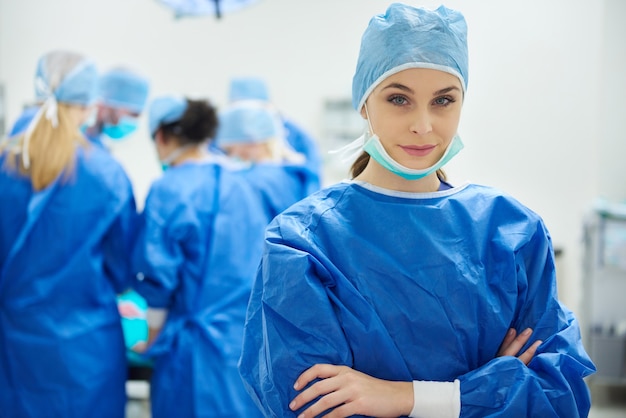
513,343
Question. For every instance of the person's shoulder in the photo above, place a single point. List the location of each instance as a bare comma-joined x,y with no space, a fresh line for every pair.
498,201
102,168
178,183
308,210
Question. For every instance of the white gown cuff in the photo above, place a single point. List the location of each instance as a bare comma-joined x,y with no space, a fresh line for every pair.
436,399
156,317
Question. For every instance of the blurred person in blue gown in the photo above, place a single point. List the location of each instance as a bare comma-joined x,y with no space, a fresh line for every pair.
249,133
254,89
67,224
197,251
397,293
121,98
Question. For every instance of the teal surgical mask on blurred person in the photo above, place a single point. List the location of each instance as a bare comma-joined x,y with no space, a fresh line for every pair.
125,126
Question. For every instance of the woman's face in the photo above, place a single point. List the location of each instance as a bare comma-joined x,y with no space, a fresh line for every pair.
415,114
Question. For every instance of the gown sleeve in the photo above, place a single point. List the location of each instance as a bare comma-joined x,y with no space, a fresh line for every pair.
552,384
281,342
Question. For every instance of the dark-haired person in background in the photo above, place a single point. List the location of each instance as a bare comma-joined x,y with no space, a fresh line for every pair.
199,244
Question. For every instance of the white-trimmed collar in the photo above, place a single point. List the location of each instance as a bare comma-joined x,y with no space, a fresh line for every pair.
408,195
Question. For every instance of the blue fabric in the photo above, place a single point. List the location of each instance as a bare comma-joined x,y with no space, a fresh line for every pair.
409,37
164,110
305,144
197,252
79,85
414,287
279,186
63,257
21,123
122,88
243,124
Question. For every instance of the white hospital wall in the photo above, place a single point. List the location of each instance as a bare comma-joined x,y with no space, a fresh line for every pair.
543,117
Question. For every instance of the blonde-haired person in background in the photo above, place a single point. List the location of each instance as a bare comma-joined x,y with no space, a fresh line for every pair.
67,220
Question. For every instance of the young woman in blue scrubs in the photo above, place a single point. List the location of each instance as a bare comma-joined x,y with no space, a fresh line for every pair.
396,294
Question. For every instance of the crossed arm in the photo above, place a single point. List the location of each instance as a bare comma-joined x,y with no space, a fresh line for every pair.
351,392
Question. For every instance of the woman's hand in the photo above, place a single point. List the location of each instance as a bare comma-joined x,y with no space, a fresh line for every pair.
513,343
351,393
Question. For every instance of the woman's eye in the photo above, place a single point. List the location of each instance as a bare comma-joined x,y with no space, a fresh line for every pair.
443,101
398,100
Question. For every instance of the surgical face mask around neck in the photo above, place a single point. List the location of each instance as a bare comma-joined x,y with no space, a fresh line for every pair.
375,149
167,161
124,127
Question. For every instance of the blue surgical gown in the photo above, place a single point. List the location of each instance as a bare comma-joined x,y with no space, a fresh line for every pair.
406,286
197,253
305,144
63,257
279,185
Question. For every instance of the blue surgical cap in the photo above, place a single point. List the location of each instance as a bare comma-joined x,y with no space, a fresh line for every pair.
248,88
69,77
164,110
123,88
246,124
408,37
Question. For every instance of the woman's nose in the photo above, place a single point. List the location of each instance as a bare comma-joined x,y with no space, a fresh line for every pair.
421,122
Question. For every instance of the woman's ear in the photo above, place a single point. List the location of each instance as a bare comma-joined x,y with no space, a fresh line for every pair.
363,113
160,138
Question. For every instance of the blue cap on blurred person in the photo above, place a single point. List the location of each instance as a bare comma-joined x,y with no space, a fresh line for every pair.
122,88
246,124
68,77
164,110
408,37
248,88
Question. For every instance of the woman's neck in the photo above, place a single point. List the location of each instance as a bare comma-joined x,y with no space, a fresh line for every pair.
192,153
379,176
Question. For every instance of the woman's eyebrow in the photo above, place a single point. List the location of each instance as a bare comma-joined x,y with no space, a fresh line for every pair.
409,90
446,90
399,86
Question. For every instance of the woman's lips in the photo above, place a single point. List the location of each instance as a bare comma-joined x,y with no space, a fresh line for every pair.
418,150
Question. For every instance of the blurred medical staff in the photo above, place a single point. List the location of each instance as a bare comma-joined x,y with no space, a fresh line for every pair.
248,132
67,221
122,96
196,256
243,89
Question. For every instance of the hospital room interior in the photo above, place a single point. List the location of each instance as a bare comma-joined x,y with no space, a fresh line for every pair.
543,118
